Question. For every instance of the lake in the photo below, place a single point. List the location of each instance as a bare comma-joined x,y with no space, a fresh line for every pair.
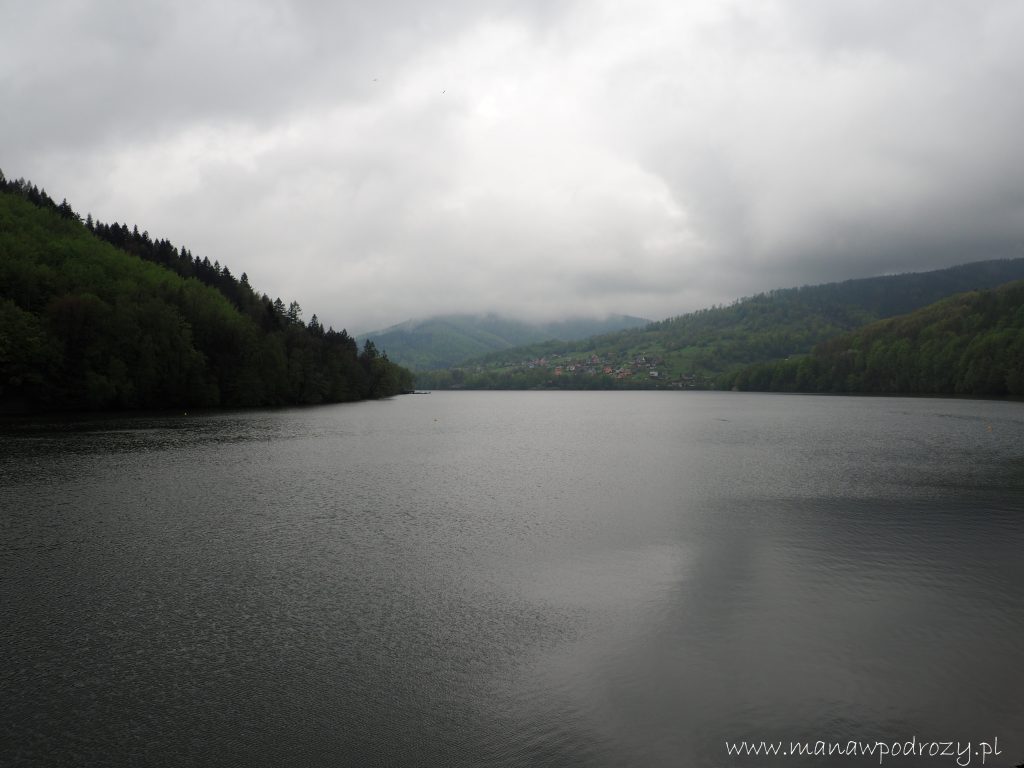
514,579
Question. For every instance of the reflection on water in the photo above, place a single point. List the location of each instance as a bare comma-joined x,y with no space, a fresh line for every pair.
512,579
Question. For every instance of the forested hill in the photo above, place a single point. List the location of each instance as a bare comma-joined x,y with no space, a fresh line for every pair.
85,325
693,349
446,340
970,344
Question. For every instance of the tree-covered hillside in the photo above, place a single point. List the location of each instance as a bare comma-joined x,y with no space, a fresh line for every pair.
87,325
447,340
693,349
969,344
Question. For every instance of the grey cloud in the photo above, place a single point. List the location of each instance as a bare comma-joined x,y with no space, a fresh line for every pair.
895,152
82,73
388,160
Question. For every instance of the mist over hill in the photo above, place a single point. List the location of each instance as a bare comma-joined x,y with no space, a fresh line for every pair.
447,340
692,350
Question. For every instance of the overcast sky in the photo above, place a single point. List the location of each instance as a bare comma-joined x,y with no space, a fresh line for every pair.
378,161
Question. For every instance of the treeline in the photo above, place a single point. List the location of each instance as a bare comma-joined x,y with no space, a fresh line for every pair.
96,316
968,344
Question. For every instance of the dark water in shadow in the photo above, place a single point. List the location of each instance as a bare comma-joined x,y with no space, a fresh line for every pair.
513,579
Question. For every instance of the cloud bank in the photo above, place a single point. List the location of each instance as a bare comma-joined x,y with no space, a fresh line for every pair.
541,159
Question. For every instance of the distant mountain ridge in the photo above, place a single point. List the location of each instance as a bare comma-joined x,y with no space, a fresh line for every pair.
692,350
446,340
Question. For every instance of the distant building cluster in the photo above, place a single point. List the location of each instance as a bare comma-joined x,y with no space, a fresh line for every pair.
636,368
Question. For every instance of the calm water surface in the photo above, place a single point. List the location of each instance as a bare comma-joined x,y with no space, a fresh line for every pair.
513,579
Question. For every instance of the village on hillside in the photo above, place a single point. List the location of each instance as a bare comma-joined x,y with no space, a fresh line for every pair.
641,370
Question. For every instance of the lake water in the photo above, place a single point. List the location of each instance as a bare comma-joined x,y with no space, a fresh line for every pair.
513,579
